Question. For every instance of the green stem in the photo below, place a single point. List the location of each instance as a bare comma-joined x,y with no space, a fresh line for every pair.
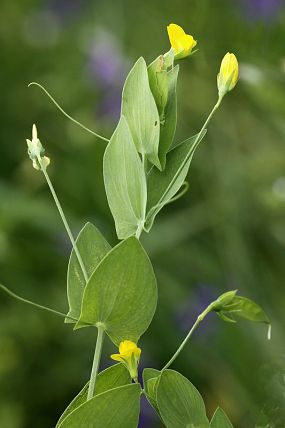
45,308
66,225
99,342
139,229
216,106
195,325
96,362
66,114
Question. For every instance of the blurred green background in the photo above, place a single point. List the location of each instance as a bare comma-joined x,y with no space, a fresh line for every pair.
228,231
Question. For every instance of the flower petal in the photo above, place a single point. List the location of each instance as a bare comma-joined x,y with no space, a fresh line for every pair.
117,357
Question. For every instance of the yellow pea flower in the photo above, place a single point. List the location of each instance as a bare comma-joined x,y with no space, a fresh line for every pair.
129,355
228,75
181,43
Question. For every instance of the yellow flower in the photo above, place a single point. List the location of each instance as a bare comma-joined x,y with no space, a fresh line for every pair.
181,43
129,355
228,75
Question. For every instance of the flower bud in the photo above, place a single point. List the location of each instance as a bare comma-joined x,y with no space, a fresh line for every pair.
181,43
36,151
228,75
224,300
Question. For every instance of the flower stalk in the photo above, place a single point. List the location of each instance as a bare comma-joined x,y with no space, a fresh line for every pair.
66,225
191,331
40,162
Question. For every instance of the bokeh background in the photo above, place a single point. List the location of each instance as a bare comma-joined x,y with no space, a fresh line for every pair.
228,231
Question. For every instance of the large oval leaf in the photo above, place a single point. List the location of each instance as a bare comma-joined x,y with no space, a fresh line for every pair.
116,408
179,402
140,111
122,293
220,420
125,182
112,377
92,247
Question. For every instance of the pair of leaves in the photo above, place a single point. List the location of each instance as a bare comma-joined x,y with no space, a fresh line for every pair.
115,404
141,130
178,402
121,293
163,86
138,131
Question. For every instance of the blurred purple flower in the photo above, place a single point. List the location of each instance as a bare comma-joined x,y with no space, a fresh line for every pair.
262,9
106,63
107,68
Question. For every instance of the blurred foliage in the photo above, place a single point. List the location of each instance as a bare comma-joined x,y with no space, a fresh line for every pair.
227,232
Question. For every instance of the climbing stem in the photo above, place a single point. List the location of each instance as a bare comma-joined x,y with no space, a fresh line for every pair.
96,362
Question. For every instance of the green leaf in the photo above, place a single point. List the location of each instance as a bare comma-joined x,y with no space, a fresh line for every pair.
241,307
220,420
168,125
162,186
140,111
125,182
116,408
179,402
121,294
150,382
92,247
112,377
